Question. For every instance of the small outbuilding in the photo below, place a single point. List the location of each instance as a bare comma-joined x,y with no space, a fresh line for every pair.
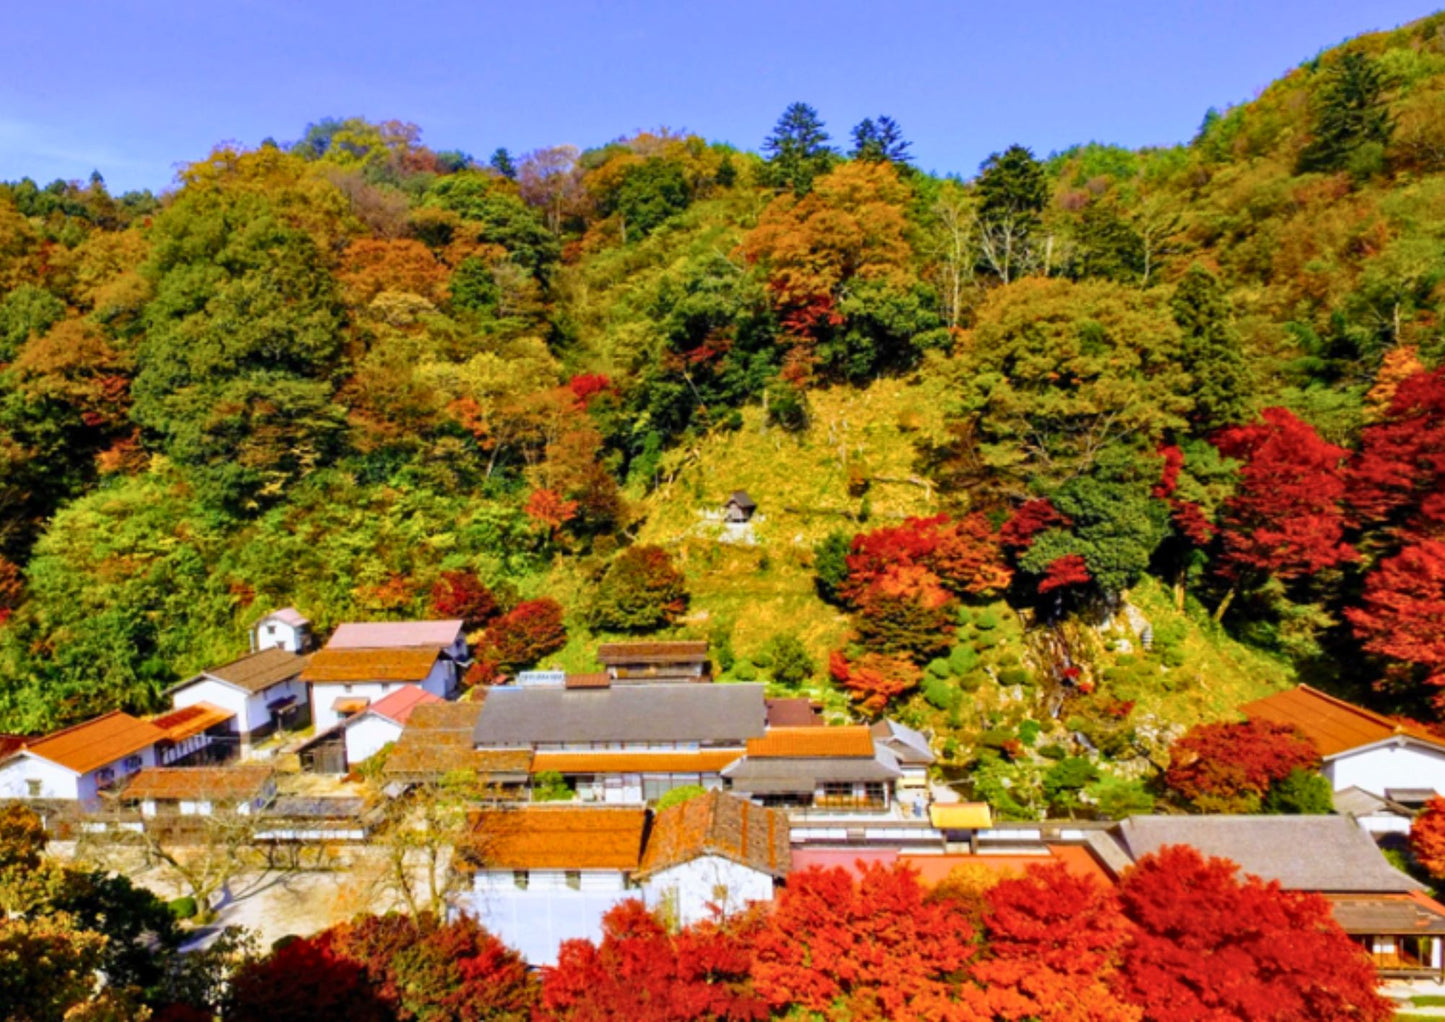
739,507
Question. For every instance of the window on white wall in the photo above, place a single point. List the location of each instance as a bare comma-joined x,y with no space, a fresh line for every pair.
33,787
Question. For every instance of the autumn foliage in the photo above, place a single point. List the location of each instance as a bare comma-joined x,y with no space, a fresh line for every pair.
1226,766
640,972
1286,518
1206,945
523,635
1427,837
873,678
1402,611
460,594
873,949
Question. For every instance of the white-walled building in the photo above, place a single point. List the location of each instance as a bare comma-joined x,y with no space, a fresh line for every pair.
79,762
361,736
542,874
199,791
363,662
282,629
713,851
345,682
1391,759
262,690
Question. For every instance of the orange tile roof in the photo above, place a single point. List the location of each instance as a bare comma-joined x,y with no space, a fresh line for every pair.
933,869
708,761
718,824
343,665
599,679
223,784
1333,725
350,704
546,837
83,747
191,720
852,740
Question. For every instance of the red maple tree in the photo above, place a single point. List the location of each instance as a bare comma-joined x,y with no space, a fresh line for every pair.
1028,520
1069,570
641,973
550,508
1207,946
874,949
1427,838
1054,941
1226,766
304,980
1398,476
524,634
1285,518
964,555
874,678
460,594
1402,611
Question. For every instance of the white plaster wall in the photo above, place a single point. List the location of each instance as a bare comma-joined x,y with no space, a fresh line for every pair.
277,633
55,780
88,787
1390,766
548,880
707,880
324,695
225,696
366,736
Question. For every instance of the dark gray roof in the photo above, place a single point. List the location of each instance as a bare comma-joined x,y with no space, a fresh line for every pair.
909,745
1304,853
796,774
256,672
320,807
662,712
742,500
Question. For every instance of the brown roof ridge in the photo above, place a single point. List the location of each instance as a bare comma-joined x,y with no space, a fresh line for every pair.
1394,726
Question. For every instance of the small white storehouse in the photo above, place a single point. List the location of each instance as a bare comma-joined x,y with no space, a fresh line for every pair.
1391,759
263,690
713,851
76,764
282,629
362,735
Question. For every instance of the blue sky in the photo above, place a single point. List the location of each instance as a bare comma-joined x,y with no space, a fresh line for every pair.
136,87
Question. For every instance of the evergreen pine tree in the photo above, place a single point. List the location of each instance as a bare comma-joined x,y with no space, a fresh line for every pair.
880,141
1350,114
501,162
798,149
1211,352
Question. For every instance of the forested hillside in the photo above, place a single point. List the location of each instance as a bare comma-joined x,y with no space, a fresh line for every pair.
1000,429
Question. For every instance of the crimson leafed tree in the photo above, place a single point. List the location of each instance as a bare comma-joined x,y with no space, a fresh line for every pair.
1402,612
1053,943
642,973
523,635
873,678
1230,767
1207,946
1427,838
1397,479
1285,519
874,949
641,590
387,969
460,594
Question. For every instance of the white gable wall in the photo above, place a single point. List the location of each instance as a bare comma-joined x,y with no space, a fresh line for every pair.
325,694
55,780
689,889
366,735
1380,767
250,710
271,632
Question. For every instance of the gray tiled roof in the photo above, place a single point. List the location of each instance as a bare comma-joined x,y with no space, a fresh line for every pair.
662,712
1304,853
256,672
795,774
